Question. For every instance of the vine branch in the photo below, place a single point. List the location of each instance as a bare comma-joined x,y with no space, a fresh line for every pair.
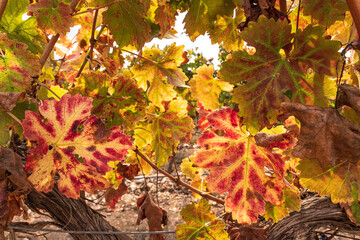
3,4
283,7
354,7
92,38
49,47
174,179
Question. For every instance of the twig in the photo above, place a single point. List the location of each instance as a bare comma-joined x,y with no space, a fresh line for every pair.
191,188
298,16
152,61
95,9
92,38
146,186
14,117
2,7
87,55
283,6
174,162
46,86
54,39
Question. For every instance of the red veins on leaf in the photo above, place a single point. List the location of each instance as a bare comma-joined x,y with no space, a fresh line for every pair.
237,166
79,156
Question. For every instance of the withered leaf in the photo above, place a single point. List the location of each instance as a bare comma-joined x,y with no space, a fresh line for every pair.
349,96
11,162
8,100
324,134
156,216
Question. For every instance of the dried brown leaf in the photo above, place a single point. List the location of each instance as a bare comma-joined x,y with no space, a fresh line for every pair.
8,100
324,134
349,96
157,217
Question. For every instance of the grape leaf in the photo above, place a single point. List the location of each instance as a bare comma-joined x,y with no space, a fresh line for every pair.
119,100
24,31
17,66
133,159
206,89
165,17
330,180
291,202
157,217
237,166
226,32
80,158
326,12
324,134
160,68
168,129
127,23
200,223
112,196
203,13
273,70
52,16
195,174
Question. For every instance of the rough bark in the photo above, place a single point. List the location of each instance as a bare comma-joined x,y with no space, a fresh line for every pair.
317,214
72,214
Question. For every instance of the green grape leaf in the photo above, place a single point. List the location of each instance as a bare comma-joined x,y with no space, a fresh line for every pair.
273,70
126,21
79,157
17,66
291,202
200,223
226,32
118,100
15,28
52,16
165,17
160,69
354,215
203,13
237,166
168,129
326,12
206,89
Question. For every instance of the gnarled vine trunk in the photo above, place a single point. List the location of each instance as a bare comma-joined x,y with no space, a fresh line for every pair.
72,214
317,214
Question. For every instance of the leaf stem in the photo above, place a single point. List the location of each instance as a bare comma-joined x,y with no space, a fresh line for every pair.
95,9
138,55
298,15
174,179
46,86
2,7
14,117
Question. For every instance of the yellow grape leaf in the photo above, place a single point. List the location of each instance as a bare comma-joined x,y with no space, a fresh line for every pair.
159,68
206,88
80,157
200,223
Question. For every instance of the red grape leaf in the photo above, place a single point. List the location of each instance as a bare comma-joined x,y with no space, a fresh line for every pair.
206,89
160,68
17,66
326,12
237,166
80,158
200,223
157,217
268,76
203,13
52,16
126,21
165,17
112,196
118,100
